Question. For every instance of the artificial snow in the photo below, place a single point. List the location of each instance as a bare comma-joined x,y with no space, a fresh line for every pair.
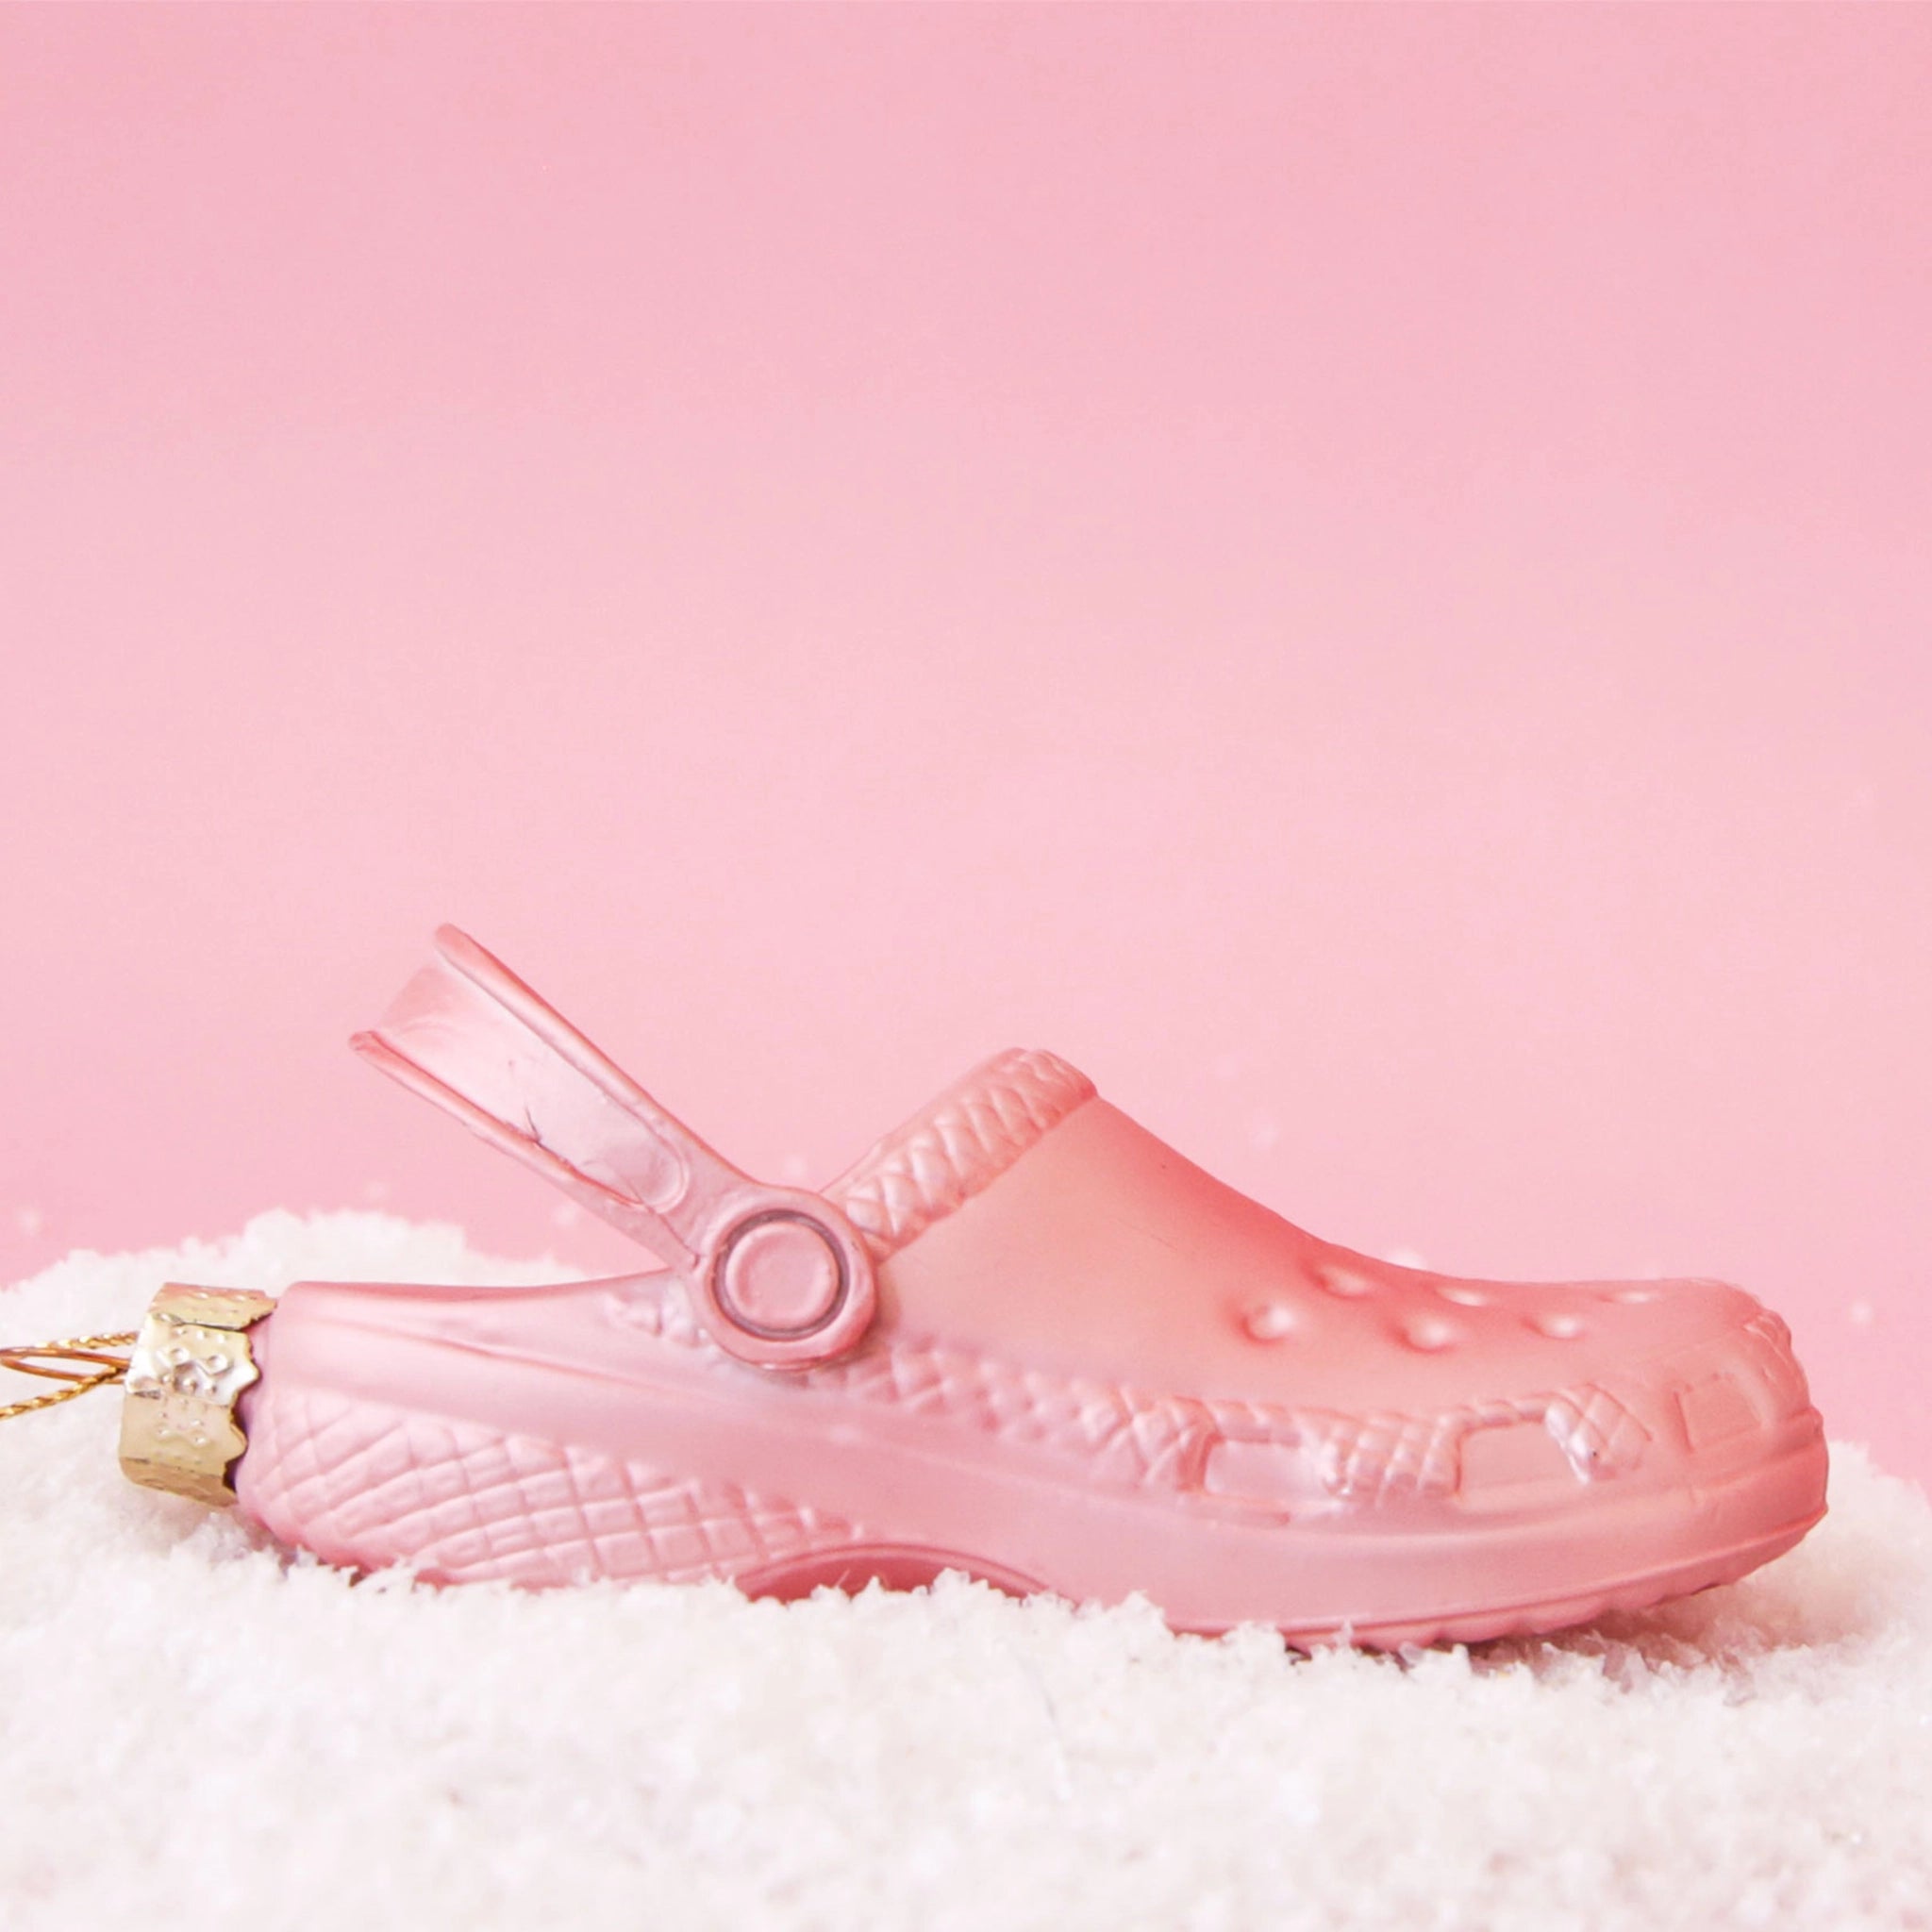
197,1730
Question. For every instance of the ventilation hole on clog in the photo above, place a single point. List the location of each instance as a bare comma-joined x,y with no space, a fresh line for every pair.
1502,1466
1431,1333
1270,1321
1556,1323
1462,1297
1276,1476
1714,1410
1347,1282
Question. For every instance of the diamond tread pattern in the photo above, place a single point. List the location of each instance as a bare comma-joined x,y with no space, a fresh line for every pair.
362,1483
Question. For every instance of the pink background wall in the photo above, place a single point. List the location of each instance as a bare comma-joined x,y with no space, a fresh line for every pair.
1363,575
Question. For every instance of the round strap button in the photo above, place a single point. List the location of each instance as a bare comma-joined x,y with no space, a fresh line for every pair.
781,1277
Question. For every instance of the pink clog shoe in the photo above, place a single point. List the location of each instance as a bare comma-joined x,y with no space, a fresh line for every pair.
1020,1337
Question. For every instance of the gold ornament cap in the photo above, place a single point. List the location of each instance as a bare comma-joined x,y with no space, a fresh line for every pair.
191,1361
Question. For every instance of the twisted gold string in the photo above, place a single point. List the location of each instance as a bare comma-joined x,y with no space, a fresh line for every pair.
84,1348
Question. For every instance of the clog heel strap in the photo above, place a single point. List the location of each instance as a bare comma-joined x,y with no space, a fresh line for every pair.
778,1277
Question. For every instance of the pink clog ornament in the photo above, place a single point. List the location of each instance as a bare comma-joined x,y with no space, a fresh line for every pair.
1020,1338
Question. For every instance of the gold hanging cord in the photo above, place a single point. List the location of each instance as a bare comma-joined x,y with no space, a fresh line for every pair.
49,1360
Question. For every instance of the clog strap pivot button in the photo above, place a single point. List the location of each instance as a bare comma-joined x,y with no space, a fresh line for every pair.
786,1285
780,1278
